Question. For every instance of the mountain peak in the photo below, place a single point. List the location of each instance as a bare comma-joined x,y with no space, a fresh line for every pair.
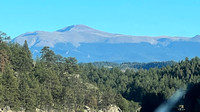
88,44
68,28
78,28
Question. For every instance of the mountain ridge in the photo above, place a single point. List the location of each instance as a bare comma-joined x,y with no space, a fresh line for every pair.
80,40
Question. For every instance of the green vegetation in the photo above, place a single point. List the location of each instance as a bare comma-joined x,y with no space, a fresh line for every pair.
132,65
56,82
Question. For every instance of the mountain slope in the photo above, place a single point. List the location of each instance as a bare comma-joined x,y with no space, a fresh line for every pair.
88,44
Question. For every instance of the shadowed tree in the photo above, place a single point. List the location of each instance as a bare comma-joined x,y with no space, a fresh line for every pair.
151,101
192,99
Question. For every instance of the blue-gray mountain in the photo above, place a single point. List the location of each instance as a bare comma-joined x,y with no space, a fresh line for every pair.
89,45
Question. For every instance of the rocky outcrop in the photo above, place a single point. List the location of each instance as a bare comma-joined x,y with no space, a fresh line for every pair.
111,108
7,109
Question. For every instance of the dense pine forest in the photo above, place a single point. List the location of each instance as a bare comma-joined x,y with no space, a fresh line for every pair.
53,82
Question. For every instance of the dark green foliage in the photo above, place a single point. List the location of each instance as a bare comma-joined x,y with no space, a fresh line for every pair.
48,55
20,58
10,88
134,85
55,82
27,93
4,56
192,98
122,102
151,101
71,65
146,65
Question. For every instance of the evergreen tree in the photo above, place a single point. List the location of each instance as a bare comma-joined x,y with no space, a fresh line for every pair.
27,95
47,55
3,59
3,37
10,88
1,91
26,49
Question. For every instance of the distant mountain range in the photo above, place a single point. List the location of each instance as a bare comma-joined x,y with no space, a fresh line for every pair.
89,45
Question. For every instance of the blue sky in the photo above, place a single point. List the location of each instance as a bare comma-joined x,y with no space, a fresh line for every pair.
132,17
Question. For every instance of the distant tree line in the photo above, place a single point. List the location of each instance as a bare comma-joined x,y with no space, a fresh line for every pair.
132,65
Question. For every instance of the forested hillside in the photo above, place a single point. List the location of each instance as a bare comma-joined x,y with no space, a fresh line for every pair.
53,82
132,65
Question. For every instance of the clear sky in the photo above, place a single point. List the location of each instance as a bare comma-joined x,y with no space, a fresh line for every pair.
132,17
